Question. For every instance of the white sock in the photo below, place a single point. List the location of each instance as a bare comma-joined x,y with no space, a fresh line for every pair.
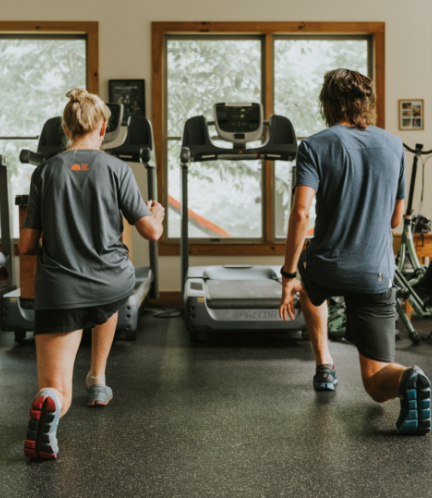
90,380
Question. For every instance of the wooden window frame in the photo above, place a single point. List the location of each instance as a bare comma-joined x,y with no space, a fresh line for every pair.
89,29
376,30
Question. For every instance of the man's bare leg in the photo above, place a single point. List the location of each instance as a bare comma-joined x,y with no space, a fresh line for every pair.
102,339
316,321
381,380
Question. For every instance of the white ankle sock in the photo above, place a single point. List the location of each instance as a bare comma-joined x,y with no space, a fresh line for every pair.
95,380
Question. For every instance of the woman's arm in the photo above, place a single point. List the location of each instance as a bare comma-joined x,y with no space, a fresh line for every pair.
151,227
28,243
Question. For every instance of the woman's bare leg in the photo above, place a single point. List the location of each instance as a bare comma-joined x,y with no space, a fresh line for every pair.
102,339
56,355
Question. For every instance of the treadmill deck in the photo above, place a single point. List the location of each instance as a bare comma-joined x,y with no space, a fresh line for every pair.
243,294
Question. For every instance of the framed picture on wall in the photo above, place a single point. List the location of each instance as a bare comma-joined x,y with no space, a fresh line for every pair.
411,114
130,93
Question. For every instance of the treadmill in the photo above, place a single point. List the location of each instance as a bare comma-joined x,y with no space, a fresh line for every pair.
137,146
7,277
234,297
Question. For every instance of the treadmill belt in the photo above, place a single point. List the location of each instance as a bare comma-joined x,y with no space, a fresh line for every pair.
243,294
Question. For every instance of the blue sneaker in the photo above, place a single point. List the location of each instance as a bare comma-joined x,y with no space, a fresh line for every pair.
325,378
41,441
415,400
98,394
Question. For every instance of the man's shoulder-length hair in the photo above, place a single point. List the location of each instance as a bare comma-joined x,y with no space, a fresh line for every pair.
347,96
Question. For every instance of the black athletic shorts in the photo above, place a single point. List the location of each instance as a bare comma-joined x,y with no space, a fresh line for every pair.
370,317
68,320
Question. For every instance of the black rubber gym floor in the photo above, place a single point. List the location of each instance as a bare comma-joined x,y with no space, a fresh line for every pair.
232,417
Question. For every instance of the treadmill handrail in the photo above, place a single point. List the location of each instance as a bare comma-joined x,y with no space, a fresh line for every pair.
7,247
30,157
280,144
142,153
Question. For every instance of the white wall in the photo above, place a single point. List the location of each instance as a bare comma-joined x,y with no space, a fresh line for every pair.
125,52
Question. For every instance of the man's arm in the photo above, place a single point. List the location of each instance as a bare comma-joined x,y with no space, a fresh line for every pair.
28,243
297,228
397,213
151,227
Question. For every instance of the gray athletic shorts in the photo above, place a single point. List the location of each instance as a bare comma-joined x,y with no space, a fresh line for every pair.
370,317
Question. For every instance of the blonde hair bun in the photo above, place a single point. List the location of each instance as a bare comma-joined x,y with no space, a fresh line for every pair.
77,94
83,112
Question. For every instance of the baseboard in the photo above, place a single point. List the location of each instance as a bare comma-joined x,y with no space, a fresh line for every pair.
168,298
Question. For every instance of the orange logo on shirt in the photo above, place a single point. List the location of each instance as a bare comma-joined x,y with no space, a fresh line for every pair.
82,167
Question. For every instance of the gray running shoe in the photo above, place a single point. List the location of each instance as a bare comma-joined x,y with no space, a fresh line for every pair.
325,378
98,395
415,400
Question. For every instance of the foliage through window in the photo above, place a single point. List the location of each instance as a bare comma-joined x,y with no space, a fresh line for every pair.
299,67
35,75
202,71
227,194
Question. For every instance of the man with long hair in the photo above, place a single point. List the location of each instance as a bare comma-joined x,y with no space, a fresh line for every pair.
357,172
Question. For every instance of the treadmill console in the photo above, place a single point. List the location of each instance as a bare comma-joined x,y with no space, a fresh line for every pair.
115,122
239,122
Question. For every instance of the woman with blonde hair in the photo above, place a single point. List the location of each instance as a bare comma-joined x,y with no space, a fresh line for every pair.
84,275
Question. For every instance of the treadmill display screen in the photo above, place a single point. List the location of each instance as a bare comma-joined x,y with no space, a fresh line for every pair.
234,119
114,119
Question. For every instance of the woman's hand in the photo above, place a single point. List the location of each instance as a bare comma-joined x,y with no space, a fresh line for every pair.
290,287
157,210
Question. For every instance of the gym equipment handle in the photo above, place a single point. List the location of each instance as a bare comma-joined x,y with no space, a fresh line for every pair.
30,157
417,150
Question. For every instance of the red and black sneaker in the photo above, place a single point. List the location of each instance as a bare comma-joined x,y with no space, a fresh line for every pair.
41,441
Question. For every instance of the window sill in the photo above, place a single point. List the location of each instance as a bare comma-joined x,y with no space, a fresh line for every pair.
217,249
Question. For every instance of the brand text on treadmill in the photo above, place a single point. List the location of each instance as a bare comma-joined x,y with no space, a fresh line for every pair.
255,315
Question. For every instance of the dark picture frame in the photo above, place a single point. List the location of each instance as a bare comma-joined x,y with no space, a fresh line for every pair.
130,93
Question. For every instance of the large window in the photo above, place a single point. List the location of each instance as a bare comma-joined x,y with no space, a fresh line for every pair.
35,75
36,72
299,66
201,72
241,203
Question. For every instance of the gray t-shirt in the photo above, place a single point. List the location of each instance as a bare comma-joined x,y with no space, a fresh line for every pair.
78,199
358,175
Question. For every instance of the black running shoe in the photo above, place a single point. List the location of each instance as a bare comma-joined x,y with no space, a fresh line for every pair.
325,378
414,394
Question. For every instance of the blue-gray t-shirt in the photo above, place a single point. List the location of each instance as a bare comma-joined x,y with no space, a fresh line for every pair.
358,175
78,200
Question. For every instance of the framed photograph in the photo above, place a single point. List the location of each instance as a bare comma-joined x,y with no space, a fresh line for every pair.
130,93
411,114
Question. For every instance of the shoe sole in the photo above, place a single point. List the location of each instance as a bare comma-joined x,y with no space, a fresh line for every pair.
325,386
98,402
37,443
418,420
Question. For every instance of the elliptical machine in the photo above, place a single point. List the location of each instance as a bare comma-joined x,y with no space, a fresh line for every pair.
234,297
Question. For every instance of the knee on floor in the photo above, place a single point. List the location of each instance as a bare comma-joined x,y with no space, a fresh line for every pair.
372,389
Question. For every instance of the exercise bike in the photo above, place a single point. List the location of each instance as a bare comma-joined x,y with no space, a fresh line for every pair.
412,280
